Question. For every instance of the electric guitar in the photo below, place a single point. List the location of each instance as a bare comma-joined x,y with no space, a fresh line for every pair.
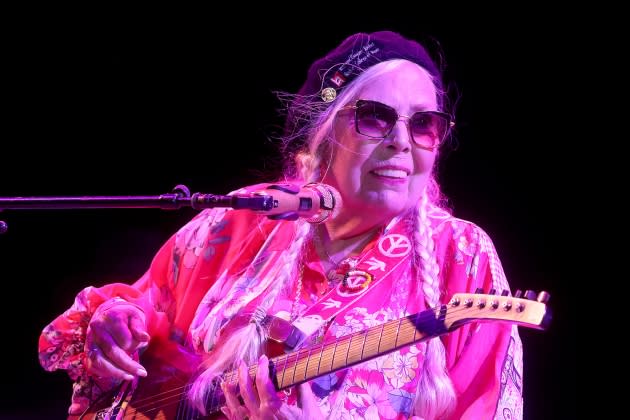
165,398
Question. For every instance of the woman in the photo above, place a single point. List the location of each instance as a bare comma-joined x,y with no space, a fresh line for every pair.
368,125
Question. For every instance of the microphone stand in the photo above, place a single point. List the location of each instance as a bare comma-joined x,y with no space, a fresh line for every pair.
178,198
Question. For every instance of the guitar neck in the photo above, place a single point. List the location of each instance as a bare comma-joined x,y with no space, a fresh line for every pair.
309,363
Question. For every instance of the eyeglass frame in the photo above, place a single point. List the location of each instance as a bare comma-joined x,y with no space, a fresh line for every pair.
449,120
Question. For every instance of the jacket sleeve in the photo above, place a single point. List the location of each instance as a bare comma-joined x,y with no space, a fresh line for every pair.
156,293
484,359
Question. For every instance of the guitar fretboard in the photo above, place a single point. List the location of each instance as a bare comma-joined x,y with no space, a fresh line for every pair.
300,366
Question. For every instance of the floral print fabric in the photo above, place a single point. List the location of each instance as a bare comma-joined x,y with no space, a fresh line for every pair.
484,360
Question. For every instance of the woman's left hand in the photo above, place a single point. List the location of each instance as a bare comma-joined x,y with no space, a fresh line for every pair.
262,402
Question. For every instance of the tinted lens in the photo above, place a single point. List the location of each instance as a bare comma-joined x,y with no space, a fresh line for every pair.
428,128
374,119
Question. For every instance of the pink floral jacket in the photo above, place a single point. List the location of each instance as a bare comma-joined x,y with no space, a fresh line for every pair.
484,360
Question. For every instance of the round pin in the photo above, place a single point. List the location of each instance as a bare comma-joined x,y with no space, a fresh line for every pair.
329,94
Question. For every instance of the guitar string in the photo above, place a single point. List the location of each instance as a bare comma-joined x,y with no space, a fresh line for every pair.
296,359
299,359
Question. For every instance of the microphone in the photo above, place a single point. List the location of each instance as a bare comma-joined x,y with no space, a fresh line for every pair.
315,201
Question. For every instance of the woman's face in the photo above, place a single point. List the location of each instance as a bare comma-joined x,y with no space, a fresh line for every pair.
384,177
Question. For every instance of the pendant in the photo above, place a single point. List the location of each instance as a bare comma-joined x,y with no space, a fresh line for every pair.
334,276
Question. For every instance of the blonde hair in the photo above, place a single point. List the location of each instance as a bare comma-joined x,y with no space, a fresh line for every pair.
435,397
244,335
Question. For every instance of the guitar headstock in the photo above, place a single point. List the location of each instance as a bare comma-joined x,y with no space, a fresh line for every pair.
530,310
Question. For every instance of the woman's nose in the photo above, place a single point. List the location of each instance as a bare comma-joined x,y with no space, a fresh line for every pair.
400,137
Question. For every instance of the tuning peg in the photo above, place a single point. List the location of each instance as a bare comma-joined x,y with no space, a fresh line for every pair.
478,291
543,297
518,293
530,294
505,292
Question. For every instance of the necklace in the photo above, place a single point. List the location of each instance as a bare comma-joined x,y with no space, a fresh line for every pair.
341,266
298,293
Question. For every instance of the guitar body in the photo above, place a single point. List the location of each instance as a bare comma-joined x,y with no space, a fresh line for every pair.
159,396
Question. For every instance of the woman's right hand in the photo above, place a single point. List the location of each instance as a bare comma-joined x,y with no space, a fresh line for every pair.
113,336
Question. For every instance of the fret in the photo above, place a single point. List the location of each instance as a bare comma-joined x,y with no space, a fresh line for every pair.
302,365
315,357
389,329
356,348
284,370
397,331
378,349
321,355
372,342
348,350
308,358
342,347
295,365
332,362
365,335
344,341
406,332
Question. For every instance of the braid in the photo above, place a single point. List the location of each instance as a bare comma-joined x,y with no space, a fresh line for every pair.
436,396
426,263
245,341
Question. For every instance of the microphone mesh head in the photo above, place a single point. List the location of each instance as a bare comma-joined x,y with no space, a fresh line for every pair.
329,205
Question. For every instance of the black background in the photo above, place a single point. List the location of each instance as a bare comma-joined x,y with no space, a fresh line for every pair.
132,103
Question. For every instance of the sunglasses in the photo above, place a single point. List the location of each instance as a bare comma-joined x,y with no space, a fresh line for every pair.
376,120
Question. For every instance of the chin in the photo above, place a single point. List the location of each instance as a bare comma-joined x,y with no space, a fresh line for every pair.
388,203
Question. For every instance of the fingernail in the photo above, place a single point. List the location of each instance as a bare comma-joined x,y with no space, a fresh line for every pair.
141,372
128,378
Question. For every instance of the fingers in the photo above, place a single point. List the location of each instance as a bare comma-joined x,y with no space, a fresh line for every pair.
138,330
233,408
115,355
111,338
259,401
99,365
125,323
308,402
117,325
266,391
246,386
